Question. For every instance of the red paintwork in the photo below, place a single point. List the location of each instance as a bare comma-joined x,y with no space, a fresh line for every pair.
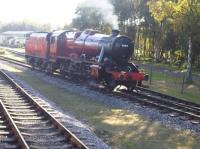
70,45
73,48
85,42
128,76
65,44
37,45
91,43
95,71
57,45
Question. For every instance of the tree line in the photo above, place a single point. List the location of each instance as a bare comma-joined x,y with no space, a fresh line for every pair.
24,26
165,31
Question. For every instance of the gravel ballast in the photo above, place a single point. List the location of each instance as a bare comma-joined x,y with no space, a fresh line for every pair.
82,131
112,102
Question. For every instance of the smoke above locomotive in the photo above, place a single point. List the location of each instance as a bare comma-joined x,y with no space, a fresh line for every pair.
105,8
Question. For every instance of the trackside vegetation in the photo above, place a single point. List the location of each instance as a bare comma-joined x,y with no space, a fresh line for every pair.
117,127
168,80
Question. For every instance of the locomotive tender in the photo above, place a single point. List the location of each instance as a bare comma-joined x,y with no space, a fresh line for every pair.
88,54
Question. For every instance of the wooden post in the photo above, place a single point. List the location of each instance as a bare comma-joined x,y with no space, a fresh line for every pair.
165,75
182,86
189,65
151,73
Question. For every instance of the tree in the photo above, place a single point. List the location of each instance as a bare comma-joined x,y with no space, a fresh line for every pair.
148,29
25,26
127,15
183,17
135,21
67,26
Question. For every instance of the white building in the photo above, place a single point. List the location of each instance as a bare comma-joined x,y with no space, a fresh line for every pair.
14,38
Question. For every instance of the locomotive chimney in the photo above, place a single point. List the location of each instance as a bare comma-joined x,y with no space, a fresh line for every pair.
115,32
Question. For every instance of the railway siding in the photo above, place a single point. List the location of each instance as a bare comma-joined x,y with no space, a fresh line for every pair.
33,125
9,131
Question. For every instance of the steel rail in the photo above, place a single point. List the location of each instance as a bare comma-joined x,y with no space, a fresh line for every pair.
164,102
10,60
13,51
171,98
164,105
69,135
14,128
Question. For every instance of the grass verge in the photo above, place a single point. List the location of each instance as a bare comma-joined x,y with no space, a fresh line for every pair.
161,82
172,67
117,127
173,85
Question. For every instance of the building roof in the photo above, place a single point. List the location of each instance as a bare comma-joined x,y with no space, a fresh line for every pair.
16,32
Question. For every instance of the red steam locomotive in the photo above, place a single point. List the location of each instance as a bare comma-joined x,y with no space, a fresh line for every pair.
87,54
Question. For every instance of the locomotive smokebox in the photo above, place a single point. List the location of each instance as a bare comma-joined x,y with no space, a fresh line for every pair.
115,32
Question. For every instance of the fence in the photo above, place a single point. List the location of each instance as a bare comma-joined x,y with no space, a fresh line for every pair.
165,78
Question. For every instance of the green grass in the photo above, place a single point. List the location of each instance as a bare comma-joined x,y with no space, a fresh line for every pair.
171,85
196,71
117,127
160,82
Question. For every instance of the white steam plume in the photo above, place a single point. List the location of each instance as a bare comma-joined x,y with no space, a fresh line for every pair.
105,8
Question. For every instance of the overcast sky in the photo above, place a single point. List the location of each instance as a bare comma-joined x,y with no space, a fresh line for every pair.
55,12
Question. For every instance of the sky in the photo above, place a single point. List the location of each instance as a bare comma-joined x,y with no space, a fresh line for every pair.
55,12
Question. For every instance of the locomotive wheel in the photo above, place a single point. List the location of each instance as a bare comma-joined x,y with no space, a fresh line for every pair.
33,65
44,65
31,62
110,82
49,68
131,86
139,83
40,66
62,70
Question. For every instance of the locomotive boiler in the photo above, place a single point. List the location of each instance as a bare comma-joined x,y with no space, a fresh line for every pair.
88,54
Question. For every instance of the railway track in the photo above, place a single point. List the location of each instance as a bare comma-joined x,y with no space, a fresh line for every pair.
180,106
26,122
14,62
8,131
167,104
13,51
